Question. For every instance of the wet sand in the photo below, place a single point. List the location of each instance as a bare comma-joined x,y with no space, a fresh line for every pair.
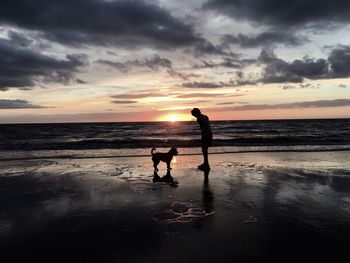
281,207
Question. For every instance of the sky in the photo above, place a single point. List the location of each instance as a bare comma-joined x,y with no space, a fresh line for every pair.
139,60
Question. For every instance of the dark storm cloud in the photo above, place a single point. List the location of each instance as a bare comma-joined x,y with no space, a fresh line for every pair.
155,63
279,13
293,105
205,47
280,71
276,70
24,68
226,62
339,59
17,104
126,23
19,38
267,38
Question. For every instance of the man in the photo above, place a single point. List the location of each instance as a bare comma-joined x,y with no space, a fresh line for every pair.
207,136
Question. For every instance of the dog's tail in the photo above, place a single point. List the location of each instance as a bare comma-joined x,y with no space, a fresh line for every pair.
153,149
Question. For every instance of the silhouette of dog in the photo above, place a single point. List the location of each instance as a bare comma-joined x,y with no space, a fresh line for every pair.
165,157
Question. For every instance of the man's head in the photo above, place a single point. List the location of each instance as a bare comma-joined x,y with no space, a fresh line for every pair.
195,112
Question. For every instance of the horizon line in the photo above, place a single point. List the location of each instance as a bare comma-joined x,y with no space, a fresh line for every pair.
155,121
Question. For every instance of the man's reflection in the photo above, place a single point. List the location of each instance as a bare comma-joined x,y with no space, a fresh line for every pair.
207,195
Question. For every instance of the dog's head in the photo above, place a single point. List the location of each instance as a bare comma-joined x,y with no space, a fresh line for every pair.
173,151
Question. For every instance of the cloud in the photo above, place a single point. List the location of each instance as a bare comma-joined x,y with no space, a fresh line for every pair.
227,62
280,71
80,81
138,95
182,75
277,13
24,68
121,66
201,101
267,38
19,38
301,86
230,103
203,46
154,63
276,70
293,105
141,95
198,95
205,85
18,104
206,95
128,24
339,60
124,101
216,85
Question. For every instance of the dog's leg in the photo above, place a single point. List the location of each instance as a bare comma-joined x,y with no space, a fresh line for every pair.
155,164
168,165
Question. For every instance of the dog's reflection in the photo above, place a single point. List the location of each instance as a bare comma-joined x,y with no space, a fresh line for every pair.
165,179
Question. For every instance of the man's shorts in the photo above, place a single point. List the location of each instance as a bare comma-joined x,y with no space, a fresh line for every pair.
207,141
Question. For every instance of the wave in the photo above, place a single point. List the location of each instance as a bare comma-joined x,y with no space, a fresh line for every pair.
85,136
149,143
141,152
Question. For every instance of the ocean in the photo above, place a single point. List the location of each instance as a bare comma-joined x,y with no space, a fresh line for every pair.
136,138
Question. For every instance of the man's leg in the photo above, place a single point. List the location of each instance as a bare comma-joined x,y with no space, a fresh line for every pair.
205,155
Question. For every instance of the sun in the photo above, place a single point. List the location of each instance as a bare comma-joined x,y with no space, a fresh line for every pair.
174,117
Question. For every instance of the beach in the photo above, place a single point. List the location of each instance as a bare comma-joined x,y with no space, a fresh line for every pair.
139,131
277,206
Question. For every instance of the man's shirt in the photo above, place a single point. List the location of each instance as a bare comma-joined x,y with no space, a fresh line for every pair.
204,124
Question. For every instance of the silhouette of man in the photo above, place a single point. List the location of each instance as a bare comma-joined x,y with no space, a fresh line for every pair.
207,136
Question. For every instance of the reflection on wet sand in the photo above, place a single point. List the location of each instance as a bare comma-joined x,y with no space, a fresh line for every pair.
207,194
251,207
164,179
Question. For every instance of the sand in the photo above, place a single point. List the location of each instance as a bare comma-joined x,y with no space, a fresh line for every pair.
281,207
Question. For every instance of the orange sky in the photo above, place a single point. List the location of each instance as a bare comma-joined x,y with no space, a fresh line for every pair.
106,65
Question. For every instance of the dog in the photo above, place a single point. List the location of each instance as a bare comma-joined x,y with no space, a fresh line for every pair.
165,157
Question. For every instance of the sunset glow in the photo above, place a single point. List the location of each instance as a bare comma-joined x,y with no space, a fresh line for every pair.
235,60
174,117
